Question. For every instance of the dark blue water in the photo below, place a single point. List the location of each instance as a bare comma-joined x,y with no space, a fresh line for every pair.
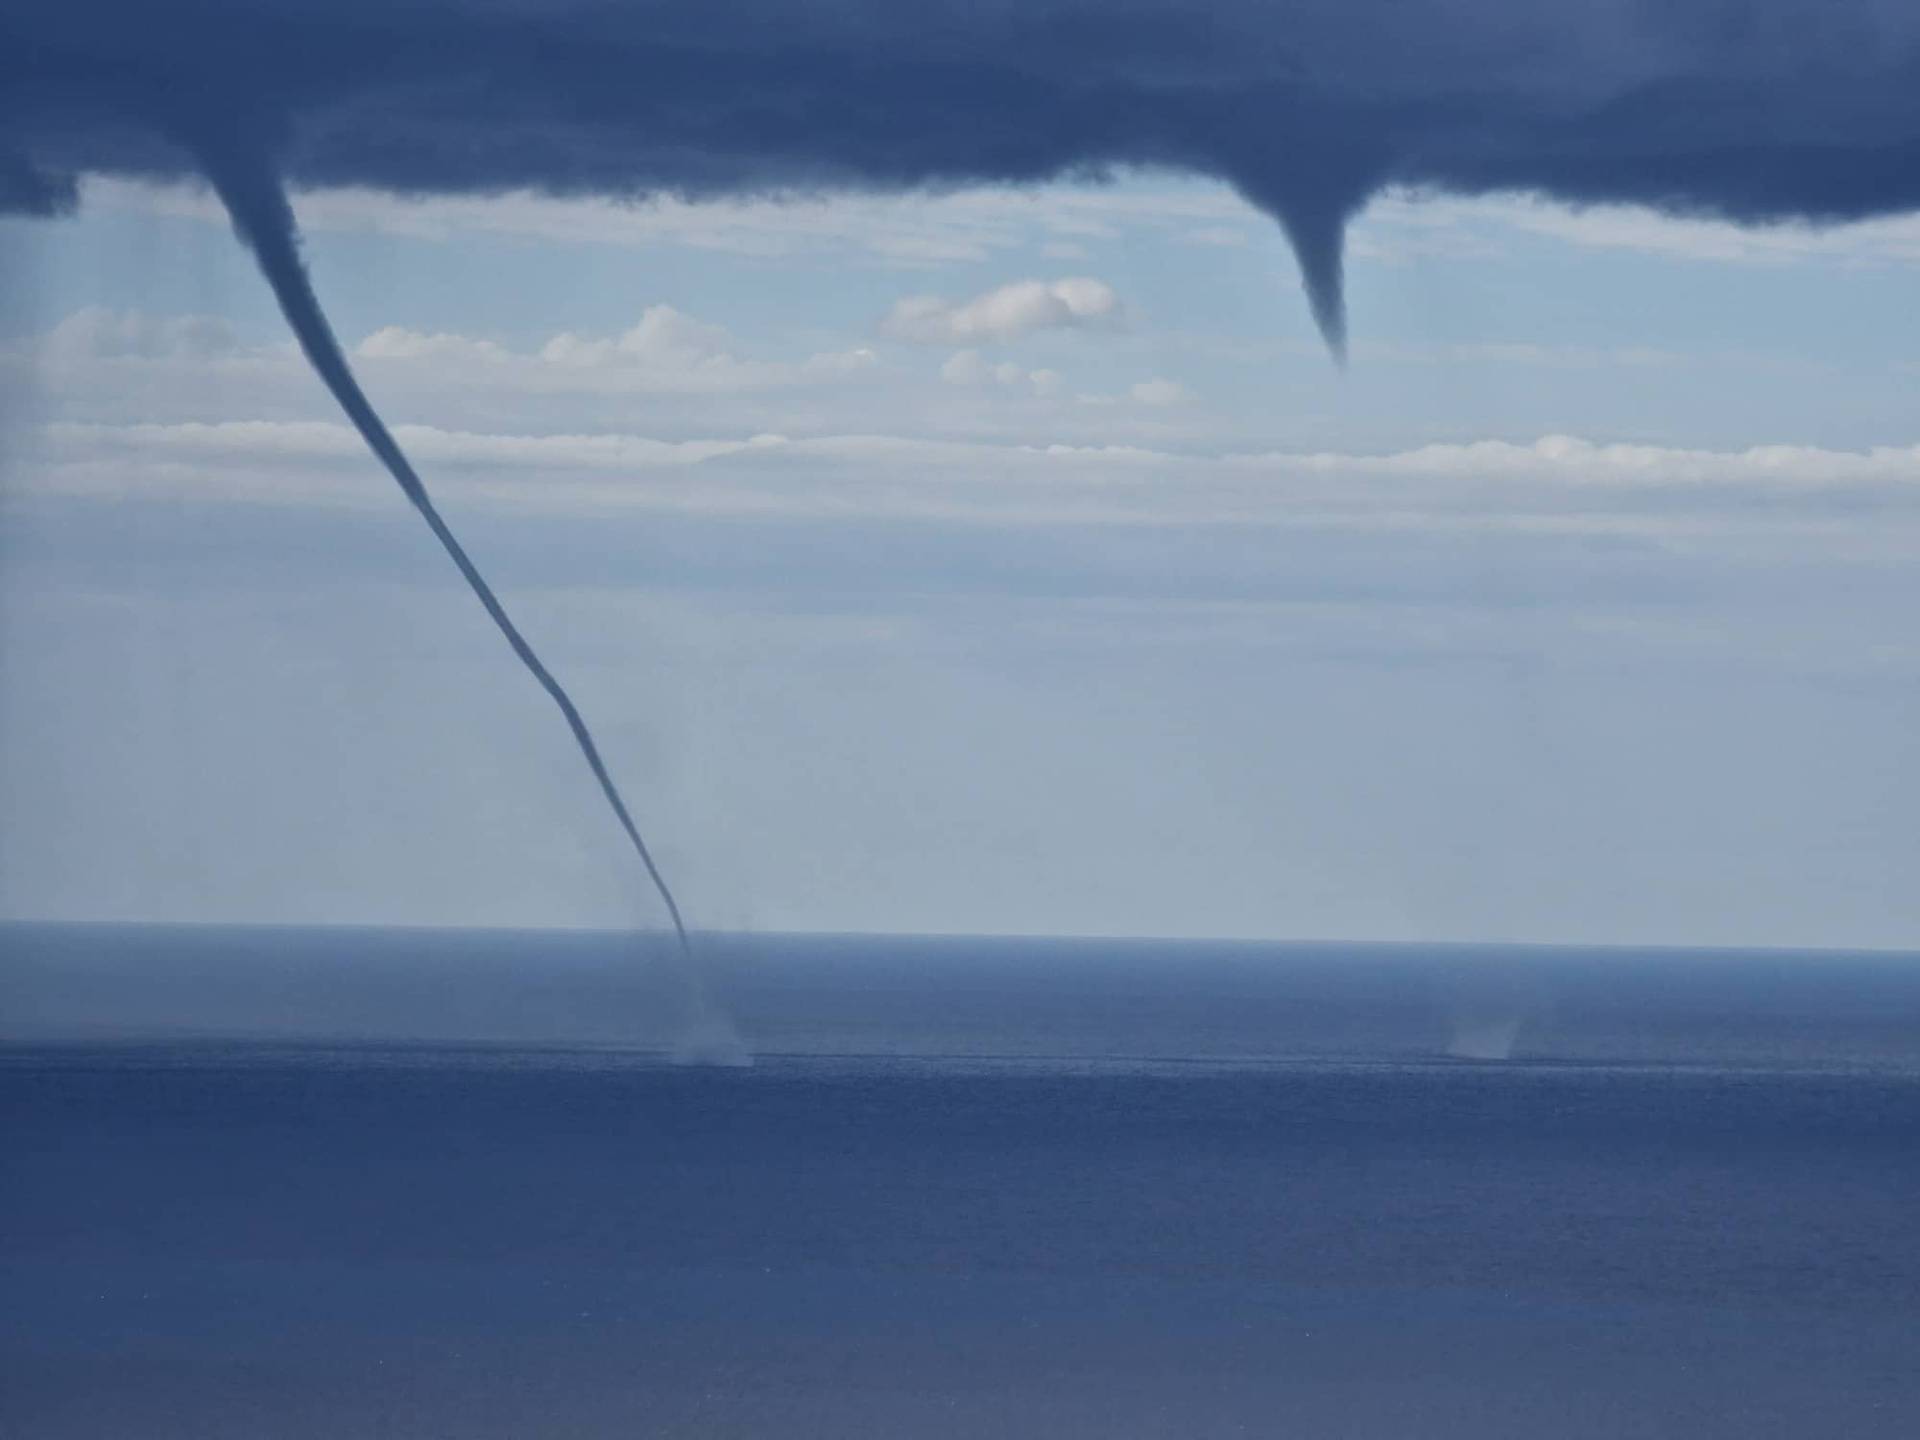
299,1184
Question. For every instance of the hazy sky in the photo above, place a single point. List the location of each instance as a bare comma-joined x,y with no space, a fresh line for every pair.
1008,561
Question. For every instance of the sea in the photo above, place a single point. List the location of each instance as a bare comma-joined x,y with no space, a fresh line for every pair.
290,1183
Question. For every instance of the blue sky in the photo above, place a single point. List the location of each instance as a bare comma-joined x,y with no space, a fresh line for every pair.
991,562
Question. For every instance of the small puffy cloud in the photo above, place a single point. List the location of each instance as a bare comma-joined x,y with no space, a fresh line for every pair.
664,336
674,351
970,368
132,365
1159,392
394,342
1006,313
96,333
666,352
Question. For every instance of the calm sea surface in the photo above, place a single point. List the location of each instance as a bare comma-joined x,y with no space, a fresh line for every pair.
283,1183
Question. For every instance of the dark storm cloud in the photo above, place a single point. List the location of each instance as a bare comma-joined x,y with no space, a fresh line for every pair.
1754,111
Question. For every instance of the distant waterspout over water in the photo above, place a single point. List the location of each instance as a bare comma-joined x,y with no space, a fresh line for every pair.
1490,1004
1484,1036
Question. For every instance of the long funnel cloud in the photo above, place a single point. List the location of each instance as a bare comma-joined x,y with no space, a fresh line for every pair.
264,220
1755,111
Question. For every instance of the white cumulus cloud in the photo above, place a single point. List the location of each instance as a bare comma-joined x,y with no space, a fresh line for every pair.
664,336
666,352
394,342
1004,313
1159,392
970,368
672,351
97,333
